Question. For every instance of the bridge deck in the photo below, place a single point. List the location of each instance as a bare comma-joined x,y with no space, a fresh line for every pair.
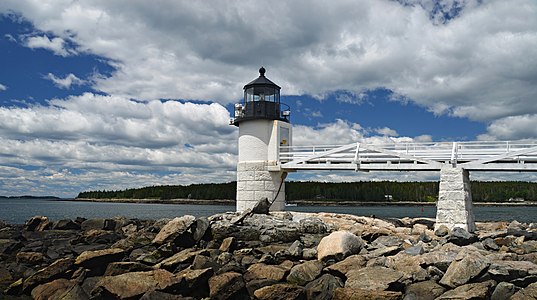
474,156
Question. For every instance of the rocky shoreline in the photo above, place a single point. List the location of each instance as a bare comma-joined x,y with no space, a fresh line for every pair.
283,255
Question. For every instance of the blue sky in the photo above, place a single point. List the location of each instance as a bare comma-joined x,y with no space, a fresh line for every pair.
129,94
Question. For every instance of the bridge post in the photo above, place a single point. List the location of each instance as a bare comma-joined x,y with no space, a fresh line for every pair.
454,207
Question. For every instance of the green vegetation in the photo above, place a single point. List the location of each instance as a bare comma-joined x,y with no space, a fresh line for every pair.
345,191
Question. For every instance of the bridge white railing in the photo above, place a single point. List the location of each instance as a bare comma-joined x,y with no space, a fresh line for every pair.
478,155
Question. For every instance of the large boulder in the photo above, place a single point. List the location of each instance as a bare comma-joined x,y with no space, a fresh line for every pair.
281,291
362,294
192,282
59,289
352,262
66,224
530,292
229,285
53,271
338,245
132,285
263,271
305,272
173,229
373,278
323,288
467,265
98,260
425,290
480,290
503,290
37,223
461,237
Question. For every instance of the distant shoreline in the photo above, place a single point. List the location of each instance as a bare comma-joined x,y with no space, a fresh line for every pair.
298,202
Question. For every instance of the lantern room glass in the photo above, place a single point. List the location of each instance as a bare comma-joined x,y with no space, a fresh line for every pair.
261,93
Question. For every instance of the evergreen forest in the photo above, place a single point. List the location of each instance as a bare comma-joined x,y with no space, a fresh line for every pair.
362,191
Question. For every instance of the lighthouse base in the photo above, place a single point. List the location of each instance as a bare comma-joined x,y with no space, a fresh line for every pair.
255,182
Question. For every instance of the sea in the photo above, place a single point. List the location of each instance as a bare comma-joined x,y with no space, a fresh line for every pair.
19,210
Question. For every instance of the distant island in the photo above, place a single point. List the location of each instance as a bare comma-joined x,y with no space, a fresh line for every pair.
29,197
329,192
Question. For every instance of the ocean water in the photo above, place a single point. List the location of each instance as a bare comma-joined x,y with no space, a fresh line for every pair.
17,211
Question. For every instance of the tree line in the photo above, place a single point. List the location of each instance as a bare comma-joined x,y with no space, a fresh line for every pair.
482,191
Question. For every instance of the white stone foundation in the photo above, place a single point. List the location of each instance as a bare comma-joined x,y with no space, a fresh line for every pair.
454,207
255,182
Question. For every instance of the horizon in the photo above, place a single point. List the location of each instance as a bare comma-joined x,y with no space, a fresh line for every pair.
107,96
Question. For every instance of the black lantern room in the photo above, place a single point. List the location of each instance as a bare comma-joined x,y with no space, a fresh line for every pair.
261,101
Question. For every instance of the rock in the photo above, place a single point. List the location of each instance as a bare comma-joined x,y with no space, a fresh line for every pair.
505,270
118,268
92,224
309,253
184,257
503,290
467,265
425,290
59,289
338,245
37,223
281,291
191,282
415,250
419,229
204,262
199,228
262,207
54,271
30,257
481,290
323,288
530,292
158,295
442,230
98,260
373,278
228,244
384,251
305,272
527,247
173,229
461,237
313,225
66,224
133,285
489,244
296,249
387,241
262,271
228,285
354,293
352,262
15,288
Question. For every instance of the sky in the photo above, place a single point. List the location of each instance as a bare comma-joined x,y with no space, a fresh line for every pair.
106,95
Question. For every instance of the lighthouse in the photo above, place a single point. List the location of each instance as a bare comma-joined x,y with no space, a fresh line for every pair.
264,131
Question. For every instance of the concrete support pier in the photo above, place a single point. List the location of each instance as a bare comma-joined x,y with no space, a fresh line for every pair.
454,207
255,182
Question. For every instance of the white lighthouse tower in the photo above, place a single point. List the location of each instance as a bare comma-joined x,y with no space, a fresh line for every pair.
263,127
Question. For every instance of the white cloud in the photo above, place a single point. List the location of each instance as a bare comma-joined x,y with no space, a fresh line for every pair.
104,136
66,82
512,128
2,87
467,58
385,131
56,45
